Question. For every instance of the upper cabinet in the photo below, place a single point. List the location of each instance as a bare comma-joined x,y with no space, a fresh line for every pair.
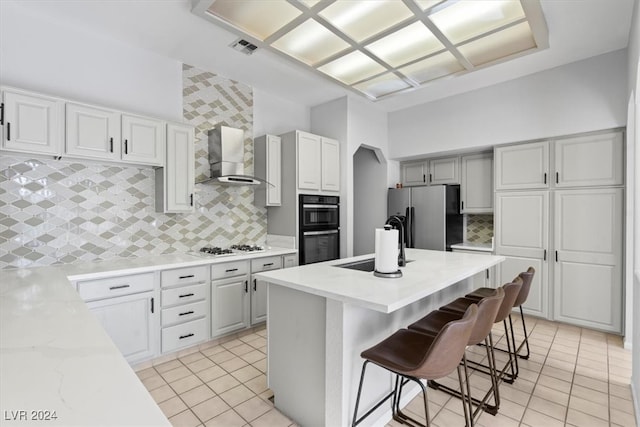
444,171
414,173
318,162
267,153
175,182
92,132
476,186
32,123
523,166
330,161
592,160
142,140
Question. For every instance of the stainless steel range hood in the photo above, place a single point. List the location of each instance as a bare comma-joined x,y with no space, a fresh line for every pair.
226,157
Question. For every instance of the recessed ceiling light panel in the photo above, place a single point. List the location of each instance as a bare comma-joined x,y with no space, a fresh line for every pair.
352,68
437,66
411,42
310,42
383,85
499,45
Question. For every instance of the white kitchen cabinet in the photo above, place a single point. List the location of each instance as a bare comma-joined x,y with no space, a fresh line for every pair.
289,261
330,163
175,181
267,154
588,257
522,166
259,287
589,160
476,186
230,299
143,140
126,306
309,162
92,132
521,234
444,171
32,123
414,173
485,278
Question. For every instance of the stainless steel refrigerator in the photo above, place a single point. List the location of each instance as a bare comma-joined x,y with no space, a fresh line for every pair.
431,215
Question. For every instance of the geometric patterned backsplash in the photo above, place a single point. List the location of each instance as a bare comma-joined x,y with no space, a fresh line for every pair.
71,210
479,228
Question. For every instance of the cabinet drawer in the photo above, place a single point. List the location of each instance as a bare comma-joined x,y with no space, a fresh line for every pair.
229,269
184,313
266,264
184,335
184,294
183,276
115,286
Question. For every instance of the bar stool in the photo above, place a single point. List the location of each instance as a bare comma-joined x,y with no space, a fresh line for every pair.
527,279
511,291
414,356
488,308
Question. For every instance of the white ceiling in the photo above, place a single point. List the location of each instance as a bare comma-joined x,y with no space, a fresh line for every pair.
578,29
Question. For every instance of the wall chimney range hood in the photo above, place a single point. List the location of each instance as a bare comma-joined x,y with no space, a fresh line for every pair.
226,158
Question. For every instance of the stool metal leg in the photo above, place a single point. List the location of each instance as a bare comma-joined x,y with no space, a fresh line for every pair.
357,420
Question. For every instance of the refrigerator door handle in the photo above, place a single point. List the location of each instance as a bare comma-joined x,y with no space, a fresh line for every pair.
412,228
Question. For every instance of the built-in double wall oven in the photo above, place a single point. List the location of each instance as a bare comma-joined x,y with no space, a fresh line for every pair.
318,228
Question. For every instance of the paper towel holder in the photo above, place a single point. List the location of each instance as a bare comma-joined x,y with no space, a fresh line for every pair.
394,274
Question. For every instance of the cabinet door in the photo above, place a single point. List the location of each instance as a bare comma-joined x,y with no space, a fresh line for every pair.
289,261
274,171
92,132
258,300
522,224
444,171
229,305
414,174
537,302
309,163
178,179
594,160
476,188
588,270
32,124
330,165
524,166
132,323
142,140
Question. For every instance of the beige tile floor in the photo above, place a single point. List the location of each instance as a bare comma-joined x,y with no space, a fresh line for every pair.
574,377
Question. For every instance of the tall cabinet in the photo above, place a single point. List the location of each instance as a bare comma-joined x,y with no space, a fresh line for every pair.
559,208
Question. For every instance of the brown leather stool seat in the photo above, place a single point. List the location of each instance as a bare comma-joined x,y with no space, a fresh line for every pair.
511,291
488,308
527,279
414,356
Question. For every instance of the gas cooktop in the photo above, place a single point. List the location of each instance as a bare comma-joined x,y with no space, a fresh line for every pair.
233,249
247,248
214,250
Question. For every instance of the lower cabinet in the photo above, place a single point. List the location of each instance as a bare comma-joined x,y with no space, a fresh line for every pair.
485,278
259,287
537,301
126,306
229,297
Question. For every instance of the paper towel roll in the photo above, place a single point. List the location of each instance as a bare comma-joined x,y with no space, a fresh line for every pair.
386,259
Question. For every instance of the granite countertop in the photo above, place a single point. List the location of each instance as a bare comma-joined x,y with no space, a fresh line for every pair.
427,273
55,356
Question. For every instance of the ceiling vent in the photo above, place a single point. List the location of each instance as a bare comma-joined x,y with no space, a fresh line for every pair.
241,45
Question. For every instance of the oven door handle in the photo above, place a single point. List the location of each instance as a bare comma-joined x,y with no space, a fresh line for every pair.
320,206
319,233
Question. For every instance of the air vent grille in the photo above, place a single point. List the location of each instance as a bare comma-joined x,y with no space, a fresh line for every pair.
244,46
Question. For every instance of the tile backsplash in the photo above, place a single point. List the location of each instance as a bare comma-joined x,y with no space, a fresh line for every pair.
65,211
479,228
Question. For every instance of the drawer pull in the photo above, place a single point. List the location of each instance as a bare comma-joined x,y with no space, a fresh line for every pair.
186,277
113,288
186,295
185,313
231,270
185,336
268,264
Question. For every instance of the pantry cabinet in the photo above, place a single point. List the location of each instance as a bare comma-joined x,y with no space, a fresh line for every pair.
175,182
444,171
476,186
32,123
268,166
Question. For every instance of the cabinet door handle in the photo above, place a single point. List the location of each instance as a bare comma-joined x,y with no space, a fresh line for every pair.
246,286
8,131
2,113
231,270
544,256
255,288
152,305
185,313
126,143
111,145
269,264
545,177
186,277
424,178
191,199
557,177
185,295
185,336
113,288
556,256
430,177
462,207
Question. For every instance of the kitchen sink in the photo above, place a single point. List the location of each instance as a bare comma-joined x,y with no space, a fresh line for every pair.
362,265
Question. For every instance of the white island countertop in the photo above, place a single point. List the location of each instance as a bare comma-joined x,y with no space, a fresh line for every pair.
426,273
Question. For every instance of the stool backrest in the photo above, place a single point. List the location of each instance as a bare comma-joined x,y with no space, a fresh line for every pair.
447,349
527,278
511,291
487,310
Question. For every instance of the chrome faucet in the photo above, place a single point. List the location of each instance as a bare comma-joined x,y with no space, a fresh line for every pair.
396,222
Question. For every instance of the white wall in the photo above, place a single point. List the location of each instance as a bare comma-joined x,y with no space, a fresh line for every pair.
275,116
369,199
48,57
578,97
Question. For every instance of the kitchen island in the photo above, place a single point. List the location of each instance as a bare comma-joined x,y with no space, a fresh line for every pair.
322,316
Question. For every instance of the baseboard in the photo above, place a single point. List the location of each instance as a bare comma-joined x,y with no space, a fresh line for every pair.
627,343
